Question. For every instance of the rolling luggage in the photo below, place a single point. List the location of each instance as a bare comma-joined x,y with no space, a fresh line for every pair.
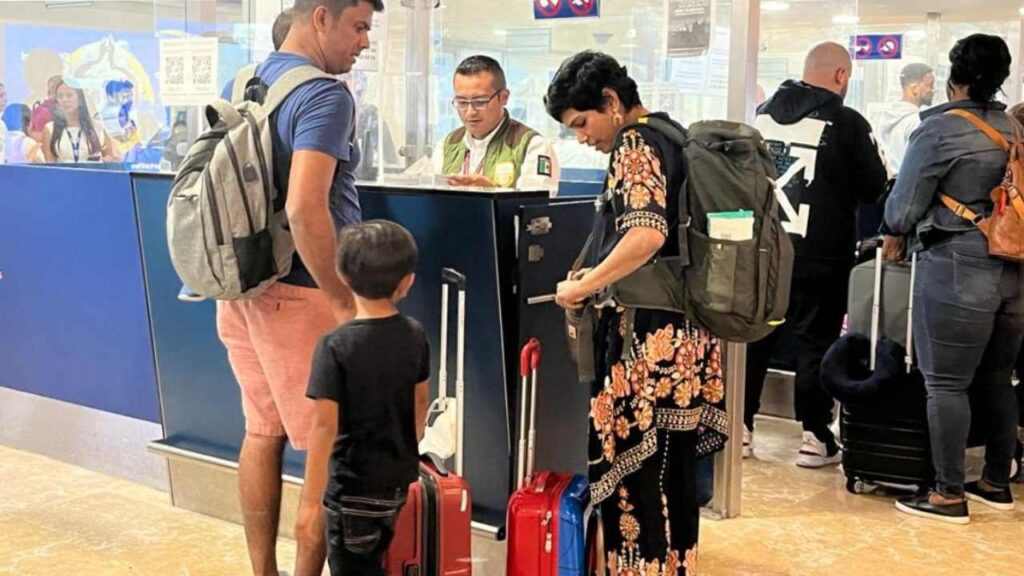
433,531
547,515
885,438
893,301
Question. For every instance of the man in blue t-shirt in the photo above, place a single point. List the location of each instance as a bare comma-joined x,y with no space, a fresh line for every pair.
270,339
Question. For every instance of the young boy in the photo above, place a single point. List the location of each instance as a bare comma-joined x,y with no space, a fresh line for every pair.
369,380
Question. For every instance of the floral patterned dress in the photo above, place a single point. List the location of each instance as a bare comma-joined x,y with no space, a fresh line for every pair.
657,402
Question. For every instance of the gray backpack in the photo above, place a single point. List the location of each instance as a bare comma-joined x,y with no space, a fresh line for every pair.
738,290
225,238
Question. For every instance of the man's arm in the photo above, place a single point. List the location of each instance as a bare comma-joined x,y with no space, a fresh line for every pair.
868,175
540,168
308,208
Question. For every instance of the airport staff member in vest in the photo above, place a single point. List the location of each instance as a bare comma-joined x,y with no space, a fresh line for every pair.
492,150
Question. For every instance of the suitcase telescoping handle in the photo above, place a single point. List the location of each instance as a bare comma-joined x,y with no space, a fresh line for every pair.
529,363
451,277
876,310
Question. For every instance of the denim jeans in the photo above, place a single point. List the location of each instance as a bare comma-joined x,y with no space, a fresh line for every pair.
968,328
360,530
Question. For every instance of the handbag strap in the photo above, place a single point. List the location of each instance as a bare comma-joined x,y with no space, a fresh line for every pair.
960,209
1013,195
993,134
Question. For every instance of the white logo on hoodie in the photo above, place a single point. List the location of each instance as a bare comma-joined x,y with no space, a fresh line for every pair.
800,143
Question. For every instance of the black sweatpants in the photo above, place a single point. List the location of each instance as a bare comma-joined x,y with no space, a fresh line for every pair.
815,318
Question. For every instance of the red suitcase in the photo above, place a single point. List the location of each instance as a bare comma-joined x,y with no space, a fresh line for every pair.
433,531
547,515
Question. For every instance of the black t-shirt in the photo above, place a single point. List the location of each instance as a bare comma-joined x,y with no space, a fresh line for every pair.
371,369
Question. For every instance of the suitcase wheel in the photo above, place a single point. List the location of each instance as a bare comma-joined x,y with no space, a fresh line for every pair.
855,485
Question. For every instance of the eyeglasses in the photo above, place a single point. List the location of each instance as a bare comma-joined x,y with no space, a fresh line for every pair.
478,104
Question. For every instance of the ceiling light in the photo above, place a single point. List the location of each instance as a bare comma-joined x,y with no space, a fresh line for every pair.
774,6
500,32
845,19
1021,10
917,34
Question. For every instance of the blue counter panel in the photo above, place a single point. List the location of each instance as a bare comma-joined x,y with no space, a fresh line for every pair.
73,321
459,232
201,401
200,397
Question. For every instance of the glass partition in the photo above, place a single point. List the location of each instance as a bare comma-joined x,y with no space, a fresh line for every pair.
145,67
926,30
634,32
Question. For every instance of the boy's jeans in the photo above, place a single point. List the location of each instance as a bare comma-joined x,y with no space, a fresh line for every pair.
359,532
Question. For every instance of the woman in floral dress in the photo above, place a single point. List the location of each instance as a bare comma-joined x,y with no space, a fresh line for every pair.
657,399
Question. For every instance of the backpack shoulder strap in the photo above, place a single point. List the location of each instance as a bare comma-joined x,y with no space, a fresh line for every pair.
667,129
289,81
993,134
220,110
241,79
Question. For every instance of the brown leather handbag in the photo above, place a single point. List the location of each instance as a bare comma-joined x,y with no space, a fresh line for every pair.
1004,228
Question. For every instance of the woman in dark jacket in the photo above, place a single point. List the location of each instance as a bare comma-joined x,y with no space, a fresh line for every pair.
657,399
969,306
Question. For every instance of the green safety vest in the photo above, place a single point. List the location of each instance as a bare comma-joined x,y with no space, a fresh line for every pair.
508,146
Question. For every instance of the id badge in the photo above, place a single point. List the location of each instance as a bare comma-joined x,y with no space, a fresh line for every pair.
505,175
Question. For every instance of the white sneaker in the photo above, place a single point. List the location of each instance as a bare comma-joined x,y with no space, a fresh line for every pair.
748,442
814,453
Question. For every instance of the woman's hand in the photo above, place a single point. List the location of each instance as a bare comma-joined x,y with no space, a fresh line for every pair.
571,294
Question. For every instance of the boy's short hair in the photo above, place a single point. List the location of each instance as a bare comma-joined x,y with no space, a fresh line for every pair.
374,257
282,25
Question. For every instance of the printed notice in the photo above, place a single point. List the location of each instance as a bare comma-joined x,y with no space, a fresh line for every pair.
188,71
688,25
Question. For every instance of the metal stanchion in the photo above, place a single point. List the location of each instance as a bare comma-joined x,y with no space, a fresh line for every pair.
728,483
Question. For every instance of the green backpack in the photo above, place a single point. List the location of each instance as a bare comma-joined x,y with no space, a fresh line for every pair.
737,289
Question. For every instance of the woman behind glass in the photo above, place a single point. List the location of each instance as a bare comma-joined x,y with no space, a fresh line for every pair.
969,307
18,147
72,137
649,400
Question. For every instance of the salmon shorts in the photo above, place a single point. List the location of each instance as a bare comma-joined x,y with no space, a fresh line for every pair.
270,341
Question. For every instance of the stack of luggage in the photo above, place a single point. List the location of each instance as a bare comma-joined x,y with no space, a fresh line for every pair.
884,421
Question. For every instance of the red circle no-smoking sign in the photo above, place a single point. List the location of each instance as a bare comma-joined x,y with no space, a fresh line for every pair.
581,7
548,8
889,47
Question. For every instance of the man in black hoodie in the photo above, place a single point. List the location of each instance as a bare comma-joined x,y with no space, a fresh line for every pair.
828,161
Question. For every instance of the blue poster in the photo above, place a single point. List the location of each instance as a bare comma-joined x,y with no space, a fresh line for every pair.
552,9
877,46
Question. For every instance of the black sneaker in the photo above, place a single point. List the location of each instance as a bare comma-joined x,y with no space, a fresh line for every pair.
1001,499
919,505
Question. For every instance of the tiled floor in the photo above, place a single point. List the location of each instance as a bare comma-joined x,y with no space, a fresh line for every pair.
797,521
58,520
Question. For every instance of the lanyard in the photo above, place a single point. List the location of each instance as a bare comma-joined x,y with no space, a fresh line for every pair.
465,164
76,144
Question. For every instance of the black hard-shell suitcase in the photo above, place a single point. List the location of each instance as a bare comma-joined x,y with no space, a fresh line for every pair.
885,439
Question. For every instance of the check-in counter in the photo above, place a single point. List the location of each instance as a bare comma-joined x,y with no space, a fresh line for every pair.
90,318
476,232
